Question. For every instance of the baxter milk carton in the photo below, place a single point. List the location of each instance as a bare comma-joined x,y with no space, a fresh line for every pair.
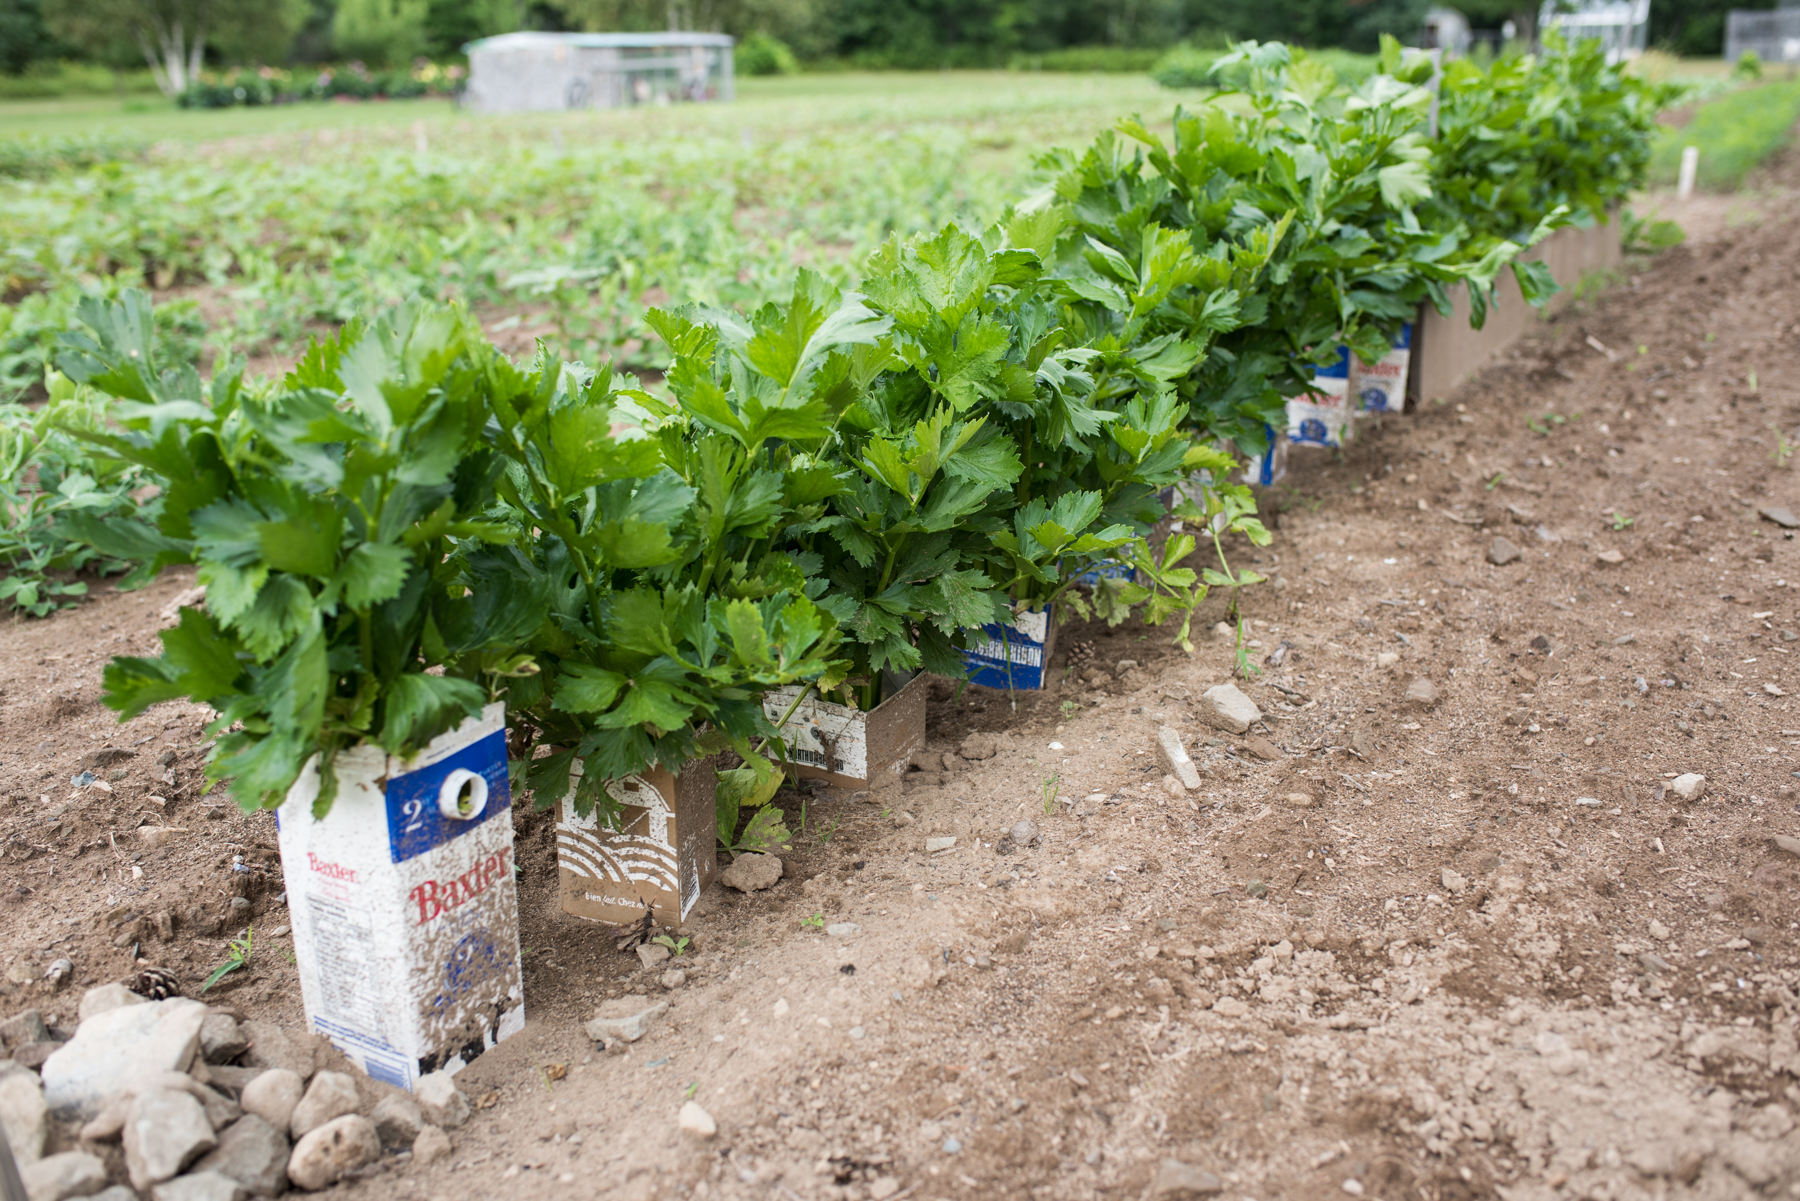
1381,387
1321,416
404,908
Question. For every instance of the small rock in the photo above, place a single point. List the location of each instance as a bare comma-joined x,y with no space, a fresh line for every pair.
696,1121
33,1055
1298,800
1125,665
1781,516
1353,1186
397,1120
431,1145
1226,708
622,1019
1230,1007
1177,1180
1689,787
273,1047
1174,758
1421,693
1658,931
843,929
1785,843
59,1177
979,746
59,972
339,1146
221,1041
781,1007
1611,558
24,1028
253,1153
1503,552
752,872
272,1096
443,1104
23,1113
673,978
1262,748
113,1048
651,954
1386,659
201,1186
330,1095
934,845
883,1187
108,996
1024,833
1454,881
164,1132
1172,786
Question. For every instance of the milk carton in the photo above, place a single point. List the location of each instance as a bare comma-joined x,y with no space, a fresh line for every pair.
1271,465
662,856
1321,416
404,909
1381,387
1014,655
849,747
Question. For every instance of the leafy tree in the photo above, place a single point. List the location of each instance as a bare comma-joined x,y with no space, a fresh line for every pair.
23,38
452,24
382,32
172,35
1695,28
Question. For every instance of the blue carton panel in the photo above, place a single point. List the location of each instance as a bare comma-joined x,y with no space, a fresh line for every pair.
416,824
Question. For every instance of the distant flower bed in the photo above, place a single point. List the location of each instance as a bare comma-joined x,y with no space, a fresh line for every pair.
272,85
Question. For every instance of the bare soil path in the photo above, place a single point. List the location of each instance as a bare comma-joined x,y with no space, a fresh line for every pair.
1497,954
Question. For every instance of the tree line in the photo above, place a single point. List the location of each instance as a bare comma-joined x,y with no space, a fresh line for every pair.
177,37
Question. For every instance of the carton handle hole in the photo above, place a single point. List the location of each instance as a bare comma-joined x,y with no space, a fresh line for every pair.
464,794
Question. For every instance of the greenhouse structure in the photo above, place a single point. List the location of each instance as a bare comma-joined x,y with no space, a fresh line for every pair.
541,72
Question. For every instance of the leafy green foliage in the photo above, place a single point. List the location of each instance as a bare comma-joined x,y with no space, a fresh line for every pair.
1735,133
237,959
323,516
48,476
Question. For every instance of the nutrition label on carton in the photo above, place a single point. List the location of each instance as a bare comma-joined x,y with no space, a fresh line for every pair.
344,941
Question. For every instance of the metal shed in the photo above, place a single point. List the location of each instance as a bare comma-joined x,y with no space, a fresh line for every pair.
540,72
1621,26
1772,34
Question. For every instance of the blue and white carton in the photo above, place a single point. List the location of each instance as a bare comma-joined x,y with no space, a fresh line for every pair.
1321,417
1271,465
1381,387
403,904
1014,656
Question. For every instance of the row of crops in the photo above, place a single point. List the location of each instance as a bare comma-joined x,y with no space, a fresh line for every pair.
830,490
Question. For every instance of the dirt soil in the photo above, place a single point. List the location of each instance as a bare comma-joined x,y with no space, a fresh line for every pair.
1490,951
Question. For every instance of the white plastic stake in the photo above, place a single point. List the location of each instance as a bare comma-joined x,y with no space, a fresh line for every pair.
1690,166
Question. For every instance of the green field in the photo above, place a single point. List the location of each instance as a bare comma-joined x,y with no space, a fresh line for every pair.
262,226
1735,133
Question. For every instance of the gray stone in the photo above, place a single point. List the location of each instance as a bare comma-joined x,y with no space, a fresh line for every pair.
673,978
24,1029
1781,516
273,1047
220,1109
33,1055
330,1095
226,1077
1176,1180
397,1120
59,1177
1454,881
272,1097
339,1146
752,872
96,1001
164,1132
115,1047
253,1153
1225,708
201,1186
622,1019
843,929
117,1192
431,1145
1174,757
1421,693
1689,787
443,1104
1502,552
23,1112
221,1041
944,843
1024,833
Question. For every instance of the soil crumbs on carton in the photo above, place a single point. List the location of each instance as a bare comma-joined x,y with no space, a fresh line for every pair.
1456,941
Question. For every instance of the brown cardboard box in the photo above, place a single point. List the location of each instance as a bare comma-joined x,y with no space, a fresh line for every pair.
662,856
848,747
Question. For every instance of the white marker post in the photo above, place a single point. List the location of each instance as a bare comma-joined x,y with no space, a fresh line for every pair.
1690,166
